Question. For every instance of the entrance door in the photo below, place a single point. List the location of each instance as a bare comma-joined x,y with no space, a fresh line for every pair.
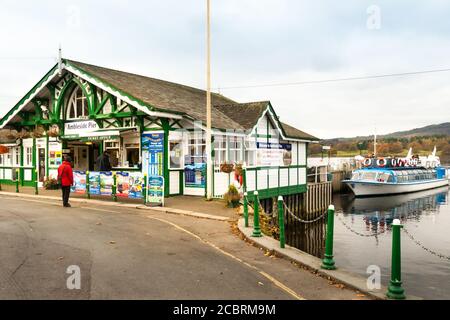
81,158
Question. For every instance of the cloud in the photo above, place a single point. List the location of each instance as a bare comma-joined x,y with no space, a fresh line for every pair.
254,42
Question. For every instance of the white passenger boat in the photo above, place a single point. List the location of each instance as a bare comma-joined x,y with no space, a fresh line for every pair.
386,176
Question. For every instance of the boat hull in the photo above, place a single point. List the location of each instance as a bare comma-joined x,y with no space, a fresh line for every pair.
365,188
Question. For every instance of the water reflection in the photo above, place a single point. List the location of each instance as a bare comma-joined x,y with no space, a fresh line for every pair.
424,214
379,212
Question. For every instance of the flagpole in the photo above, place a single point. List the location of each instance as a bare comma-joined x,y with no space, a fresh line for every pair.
209,168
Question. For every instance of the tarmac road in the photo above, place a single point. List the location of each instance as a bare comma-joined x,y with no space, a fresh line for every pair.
135,254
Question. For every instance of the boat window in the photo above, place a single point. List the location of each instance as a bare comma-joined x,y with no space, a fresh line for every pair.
383,177
355,176
369,175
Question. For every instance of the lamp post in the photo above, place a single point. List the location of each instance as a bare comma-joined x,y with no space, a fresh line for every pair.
208,142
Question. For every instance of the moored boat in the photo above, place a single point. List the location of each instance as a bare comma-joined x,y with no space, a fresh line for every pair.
384,176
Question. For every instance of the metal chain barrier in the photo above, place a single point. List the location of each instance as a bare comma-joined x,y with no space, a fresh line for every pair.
417,242
301,220
356,232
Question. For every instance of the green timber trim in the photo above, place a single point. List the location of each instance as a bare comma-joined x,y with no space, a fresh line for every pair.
30,93
279,191
118,91
71,84
166,127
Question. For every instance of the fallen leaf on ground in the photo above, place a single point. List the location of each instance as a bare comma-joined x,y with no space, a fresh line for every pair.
112,242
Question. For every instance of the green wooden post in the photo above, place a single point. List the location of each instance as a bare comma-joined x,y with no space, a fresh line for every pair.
36,184
144,189
245,210
17,180
114,187
328,262
395,290
281,222
256,227
88,187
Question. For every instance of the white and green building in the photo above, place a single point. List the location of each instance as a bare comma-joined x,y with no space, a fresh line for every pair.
82,110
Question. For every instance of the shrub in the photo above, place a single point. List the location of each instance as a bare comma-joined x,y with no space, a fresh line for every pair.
232,197
51,184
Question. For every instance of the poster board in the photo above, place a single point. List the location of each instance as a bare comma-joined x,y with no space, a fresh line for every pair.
79,181
130,185
54,154
155,190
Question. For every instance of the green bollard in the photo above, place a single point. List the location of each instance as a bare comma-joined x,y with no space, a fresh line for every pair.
114,187
17,181
281,222
144,189
256,227
88,190
36,184
395,290
245,209
328,262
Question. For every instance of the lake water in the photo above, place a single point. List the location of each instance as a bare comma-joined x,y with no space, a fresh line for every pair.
426,215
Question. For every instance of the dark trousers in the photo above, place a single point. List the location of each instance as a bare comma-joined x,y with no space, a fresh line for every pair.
65,194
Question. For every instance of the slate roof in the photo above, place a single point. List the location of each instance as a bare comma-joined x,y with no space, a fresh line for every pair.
247,114
163,95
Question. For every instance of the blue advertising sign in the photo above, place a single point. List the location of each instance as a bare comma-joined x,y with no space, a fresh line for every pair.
156,190
94,183
269,145
195,175
153,143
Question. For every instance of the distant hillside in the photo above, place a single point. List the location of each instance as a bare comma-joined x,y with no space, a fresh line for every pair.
442,129
433,130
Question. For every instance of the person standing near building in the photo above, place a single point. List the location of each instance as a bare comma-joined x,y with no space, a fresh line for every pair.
103,162
65,178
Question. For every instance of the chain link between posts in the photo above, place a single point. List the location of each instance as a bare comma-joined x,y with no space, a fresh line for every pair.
417,242
300,219
356,232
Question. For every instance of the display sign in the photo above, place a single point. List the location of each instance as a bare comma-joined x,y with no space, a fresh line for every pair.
54,154
153,144
130,185
195,175
72,128
106,183
273,154
94,183
79,182
155,190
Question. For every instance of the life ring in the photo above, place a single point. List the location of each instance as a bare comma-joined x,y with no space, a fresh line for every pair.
379,162
367,162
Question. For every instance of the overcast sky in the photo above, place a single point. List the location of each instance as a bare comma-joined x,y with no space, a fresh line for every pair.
255,42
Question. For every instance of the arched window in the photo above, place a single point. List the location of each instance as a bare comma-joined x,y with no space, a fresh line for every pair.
77,106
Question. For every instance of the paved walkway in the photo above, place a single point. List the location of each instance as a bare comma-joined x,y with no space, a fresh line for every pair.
189,204
125,253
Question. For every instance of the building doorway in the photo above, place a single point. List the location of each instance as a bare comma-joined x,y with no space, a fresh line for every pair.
84,155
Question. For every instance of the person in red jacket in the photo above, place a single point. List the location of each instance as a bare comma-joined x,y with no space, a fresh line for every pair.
65,176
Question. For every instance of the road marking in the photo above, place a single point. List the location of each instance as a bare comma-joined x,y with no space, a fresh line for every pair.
264,274
59,204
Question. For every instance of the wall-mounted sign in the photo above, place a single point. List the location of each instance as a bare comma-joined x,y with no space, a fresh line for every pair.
54,154
76,127
274,154
153,144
